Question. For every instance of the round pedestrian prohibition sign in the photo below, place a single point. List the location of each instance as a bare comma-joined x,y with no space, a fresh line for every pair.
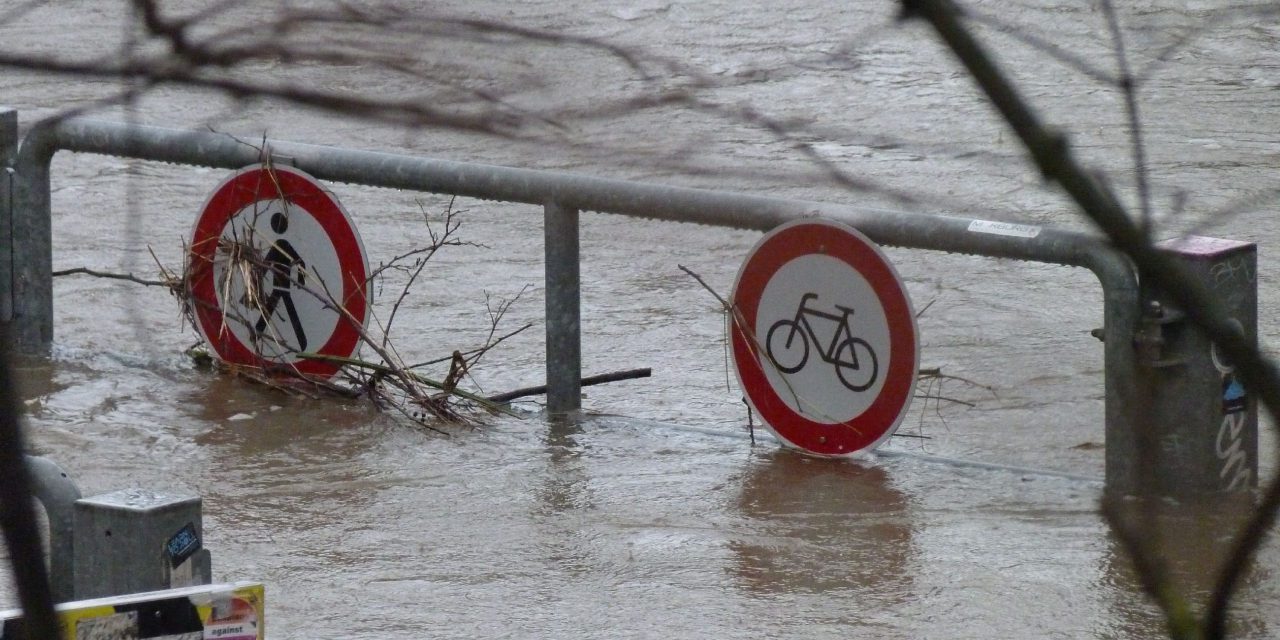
272,258
824,338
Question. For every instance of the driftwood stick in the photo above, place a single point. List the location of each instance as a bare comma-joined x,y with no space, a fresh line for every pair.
113,276
629,374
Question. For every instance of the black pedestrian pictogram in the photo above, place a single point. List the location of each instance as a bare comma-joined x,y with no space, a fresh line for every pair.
282,260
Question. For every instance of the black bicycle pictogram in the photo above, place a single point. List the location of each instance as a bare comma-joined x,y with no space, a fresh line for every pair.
854,359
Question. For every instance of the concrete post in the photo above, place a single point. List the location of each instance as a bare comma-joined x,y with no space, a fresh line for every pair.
1204,424
564,315
137,540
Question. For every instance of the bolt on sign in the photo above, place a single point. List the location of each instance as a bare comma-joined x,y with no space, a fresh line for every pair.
824,338
276,270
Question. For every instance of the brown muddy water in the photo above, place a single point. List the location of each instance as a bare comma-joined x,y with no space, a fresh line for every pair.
655,516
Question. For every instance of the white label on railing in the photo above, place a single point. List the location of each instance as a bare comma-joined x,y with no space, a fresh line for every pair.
1004,228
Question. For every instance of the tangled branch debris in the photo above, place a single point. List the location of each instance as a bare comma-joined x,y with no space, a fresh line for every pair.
246,279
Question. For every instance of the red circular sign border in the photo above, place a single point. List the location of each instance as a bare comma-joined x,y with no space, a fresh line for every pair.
778,247
254,184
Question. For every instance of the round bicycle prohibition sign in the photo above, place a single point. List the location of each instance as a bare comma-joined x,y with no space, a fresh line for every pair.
824,338
272,259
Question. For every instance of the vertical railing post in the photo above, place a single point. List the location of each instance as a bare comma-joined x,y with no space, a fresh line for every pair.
1123,385
8,151
31,231
564,317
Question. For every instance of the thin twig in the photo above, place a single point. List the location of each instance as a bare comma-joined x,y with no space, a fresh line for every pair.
112,276
1071,60
495,318
421,255
1128,85
481,349
723,303
1204,26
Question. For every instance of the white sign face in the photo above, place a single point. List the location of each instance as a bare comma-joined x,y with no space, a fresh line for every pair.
827,332
292,309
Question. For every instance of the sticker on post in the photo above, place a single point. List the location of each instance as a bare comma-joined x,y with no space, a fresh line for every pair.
235,619
182,544
1004,228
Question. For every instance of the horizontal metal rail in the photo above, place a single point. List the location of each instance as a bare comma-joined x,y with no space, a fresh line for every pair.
563,195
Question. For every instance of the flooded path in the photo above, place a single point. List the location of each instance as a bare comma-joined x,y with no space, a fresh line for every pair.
667,522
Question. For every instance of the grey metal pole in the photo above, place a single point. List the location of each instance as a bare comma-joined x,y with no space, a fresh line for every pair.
58,494
31,228
1124,387
8,149
579,192
564,316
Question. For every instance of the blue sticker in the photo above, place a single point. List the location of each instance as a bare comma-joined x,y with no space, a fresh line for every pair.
182,544
1233,395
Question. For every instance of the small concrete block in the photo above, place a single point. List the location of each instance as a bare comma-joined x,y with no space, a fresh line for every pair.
122,540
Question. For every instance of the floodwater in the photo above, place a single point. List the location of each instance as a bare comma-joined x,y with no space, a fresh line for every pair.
655,515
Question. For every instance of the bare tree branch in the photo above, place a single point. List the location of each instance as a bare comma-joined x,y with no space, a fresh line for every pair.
1067,58
1052,155
1214,21
1130,89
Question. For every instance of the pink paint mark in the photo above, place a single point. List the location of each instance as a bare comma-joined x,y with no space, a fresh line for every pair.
1203,247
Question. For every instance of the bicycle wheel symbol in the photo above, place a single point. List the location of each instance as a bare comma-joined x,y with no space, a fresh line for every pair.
856,364
783,349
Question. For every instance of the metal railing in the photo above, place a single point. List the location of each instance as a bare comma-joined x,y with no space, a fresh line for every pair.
57,494
26,291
